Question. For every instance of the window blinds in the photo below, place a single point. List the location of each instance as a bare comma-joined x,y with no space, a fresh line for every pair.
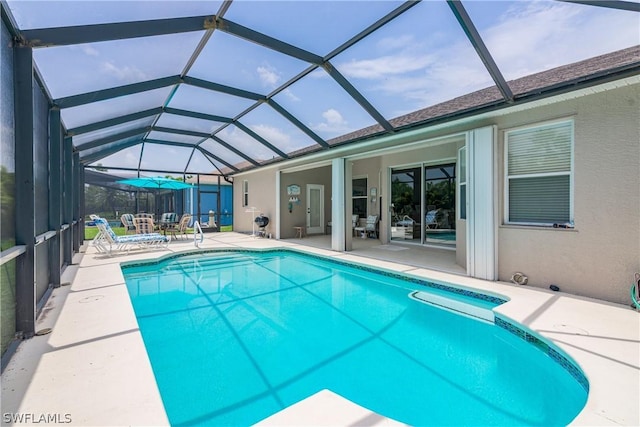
539,174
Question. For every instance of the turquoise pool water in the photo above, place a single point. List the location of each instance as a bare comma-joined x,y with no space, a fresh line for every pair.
449,236
236,337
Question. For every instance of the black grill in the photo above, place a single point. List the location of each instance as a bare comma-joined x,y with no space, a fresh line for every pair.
262,221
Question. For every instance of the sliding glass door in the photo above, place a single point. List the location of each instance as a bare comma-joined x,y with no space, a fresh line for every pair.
406,211
440,204
423,200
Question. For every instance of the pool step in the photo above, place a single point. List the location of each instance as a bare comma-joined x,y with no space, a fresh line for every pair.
456,306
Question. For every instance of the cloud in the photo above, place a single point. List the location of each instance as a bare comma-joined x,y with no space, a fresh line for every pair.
125,73
90,50
395,43
380,68
405,73
289,94
536,36
333,123
269,76
275,137
127,158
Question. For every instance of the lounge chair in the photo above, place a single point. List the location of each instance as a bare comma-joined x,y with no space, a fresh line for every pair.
430,219
127,222
108,241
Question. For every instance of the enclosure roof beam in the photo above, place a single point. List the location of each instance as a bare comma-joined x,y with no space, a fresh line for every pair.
262,140
184,144
100,154
357,96
114,121
297,123
371,28
165,142
181,131
222,88
113,138
79,34
266,41
611,4
114,92
474,37
234,150
213,156
196,115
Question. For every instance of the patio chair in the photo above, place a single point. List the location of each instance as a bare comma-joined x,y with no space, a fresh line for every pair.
109,241
168,220
180,227
144,215
144,225
127,222
371,227
354,224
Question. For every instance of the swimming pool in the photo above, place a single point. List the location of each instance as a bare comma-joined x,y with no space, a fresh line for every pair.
234,337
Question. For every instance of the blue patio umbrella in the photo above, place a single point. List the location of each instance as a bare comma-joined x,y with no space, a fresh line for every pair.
156,182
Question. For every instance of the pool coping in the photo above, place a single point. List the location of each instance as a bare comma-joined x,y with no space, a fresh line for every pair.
602,338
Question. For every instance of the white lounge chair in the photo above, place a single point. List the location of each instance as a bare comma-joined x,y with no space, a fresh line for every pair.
431,220
108,241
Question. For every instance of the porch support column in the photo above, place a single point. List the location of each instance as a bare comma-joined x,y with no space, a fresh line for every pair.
24,191
338,212
67,207
76,183
81,212
481,218
278,212
55,190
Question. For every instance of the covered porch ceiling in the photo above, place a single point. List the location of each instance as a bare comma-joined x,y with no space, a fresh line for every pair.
219,87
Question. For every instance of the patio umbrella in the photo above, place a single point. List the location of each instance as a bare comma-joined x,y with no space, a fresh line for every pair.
156,182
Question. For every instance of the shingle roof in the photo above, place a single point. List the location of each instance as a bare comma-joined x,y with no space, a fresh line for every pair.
523,88
547,83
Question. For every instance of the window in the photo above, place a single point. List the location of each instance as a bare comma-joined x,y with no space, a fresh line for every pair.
462,183
245,193
539,174
359,196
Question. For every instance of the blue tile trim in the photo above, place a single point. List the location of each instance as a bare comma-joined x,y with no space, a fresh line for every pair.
559,358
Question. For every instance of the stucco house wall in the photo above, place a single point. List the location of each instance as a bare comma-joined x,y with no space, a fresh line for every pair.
598,257
262,196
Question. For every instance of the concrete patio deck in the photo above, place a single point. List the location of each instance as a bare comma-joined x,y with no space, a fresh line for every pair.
93,369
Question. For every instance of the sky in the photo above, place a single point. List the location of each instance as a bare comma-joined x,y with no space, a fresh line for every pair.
419,59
